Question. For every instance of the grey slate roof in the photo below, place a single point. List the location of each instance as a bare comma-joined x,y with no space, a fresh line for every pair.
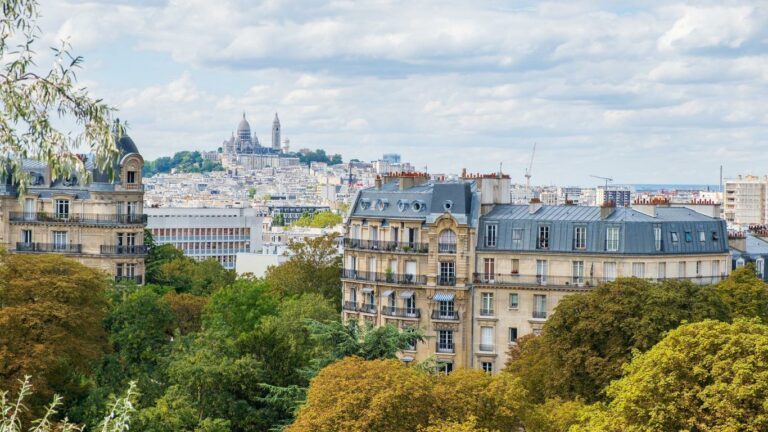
636,230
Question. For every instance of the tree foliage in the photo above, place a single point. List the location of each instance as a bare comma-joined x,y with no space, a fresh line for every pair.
324,219
744,294
30,95
183,162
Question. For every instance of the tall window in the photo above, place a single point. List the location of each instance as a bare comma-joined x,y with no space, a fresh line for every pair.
486,304
26,236
609,271
580,237
715,268
702,236
131,177
445,340
447,275
446,309
578,272
657,237
517,238
515,266
513,335
674,237
60,240
662,270
514,301
372,269
760,267
539,306
62,208
410,305
612,239
447,241
353,295
489,269
541,272
681,269
486,339
543,238
638,269
698,268
490,235
410,271
29,209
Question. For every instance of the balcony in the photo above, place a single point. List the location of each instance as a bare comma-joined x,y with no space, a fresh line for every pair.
367,308
445,315
571,282
49,248
446,280
350,306
123,250
400,312
78,218
386,246
446,248
445,347
403,279
138,279
486,348
540,314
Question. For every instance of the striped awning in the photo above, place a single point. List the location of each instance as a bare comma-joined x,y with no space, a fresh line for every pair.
367,290
406,294
386,293
443,296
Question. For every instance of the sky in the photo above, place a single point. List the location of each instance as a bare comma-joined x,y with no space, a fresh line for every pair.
640,91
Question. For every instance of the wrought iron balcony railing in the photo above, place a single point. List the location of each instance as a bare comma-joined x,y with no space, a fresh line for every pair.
386,246
123,250
137,279
50,247
400,312
403,279
445,315
79,218
445,347
581,282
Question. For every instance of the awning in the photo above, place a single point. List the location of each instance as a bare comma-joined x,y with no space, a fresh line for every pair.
406,294
367,290
386,293
443,296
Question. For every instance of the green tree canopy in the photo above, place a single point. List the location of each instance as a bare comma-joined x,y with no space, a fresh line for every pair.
744,294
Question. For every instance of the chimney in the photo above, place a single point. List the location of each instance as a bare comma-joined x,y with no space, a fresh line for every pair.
607,209
737,240
377,182
534,205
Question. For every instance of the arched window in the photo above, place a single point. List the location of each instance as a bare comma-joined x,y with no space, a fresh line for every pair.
447,241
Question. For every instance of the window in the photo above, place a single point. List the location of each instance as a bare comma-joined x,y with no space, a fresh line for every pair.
486,304
673,235
514,301
543,239
489,269
657,237
580,237
698,268
445,367
447,275
539,306
410,271
490,234
445,341
372,269
395,232
681,269
662,270
609,271
410,305
29,209
513,335
486,339
132,207
391,301
688,237
578,272
487,367
702,236
517,238
760,267
60,240
612,239
715,237
131,177
445,309
26,236
62,208
740,262
715,267
515,266
638,269
412,342
541,272
353,295
447,241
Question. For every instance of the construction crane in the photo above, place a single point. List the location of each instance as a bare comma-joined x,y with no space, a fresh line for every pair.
529,172
605,191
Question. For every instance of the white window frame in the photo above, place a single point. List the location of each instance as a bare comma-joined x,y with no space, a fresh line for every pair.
516,304
580,237
491,234
612,239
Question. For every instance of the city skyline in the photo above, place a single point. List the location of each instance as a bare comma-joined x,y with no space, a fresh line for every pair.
642,93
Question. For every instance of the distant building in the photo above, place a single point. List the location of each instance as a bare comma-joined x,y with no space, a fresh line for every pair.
276,134
619,196
746,200
244,149
749,248
292,213
203,233
392,158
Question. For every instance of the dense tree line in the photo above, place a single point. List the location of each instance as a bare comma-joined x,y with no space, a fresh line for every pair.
319,155
183,161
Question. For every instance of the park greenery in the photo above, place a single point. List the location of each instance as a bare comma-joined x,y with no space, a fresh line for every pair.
319,155
325,219
182,162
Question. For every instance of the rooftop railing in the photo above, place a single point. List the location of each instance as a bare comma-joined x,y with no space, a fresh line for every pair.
403,279
581,282
386,246
79,218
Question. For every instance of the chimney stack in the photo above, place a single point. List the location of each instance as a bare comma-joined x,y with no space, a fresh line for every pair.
607,209
534,205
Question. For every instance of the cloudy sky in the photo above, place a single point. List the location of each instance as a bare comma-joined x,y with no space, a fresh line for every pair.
645,92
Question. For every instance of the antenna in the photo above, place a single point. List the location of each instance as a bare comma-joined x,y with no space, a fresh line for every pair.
529,172
607,179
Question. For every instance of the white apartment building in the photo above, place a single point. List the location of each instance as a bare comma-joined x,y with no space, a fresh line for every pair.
746,200
203,233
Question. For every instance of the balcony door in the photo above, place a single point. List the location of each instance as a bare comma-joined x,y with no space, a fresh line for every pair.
29,209
60,240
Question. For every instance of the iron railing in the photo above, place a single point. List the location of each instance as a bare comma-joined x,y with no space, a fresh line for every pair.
350,306
386,246
540,314
583,282
445,315
79,218
123,250
486,347
367,308
50,247
446,280
137,279
400,312
445,347
403,279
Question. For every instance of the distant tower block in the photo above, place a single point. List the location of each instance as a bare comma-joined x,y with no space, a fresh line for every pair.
286,145
276,133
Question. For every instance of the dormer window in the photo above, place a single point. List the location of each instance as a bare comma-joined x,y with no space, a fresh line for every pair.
131,177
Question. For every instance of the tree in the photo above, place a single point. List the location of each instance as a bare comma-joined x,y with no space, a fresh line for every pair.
237,309
591,335
324,219
355,395
186,275
51,314
314,266
187,310
708,376
744,294
30,95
